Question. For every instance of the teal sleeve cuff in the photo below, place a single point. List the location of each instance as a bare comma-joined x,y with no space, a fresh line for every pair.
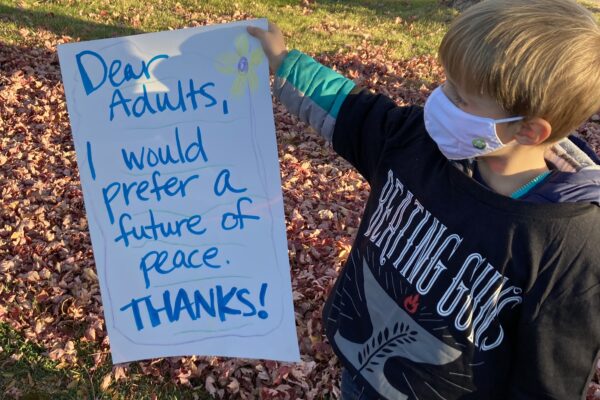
322,85
288,63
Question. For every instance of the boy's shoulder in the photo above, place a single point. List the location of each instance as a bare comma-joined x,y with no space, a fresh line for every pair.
575,177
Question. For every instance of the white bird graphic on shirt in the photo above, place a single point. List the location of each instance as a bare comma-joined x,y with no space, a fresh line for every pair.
401,336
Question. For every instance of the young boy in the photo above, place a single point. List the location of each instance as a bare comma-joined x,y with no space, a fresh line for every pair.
475,272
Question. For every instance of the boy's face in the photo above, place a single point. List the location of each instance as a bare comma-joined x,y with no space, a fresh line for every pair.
481,106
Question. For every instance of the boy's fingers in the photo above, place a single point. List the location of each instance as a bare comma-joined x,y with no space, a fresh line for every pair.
256,32
274,28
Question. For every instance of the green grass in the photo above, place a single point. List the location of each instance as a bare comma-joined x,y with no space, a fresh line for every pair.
593,6
407,27
25,366
30,369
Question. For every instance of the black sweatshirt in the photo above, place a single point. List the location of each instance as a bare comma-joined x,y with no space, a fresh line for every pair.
452,291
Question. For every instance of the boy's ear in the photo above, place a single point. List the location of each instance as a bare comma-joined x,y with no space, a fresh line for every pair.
533,131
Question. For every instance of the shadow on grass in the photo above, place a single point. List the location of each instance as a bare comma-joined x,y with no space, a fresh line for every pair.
25,372
383,10
62,24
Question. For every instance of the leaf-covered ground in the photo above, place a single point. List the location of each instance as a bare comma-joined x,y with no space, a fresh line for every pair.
49,290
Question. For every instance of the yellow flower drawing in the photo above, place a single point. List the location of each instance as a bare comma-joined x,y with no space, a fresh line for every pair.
241,64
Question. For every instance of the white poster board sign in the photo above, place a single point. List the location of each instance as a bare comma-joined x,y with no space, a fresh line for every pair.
177,154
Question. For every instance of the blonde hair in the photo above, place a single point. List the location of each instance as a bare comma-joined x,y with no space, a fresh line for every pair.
536,58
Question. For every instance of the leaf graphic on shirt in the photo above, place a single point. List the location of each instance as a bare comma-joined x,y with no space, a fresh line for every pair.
383,344
399,335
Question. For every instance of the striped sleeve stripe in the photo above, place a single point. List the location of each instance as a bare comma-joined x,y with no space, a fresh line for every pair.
312,91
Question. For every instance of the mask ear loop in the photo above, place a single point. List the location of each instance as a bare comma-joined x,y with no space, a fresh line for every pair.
504,120
510,119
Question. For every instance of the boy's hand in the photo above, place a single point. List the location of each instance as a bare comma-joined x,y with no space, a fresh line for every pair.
273,44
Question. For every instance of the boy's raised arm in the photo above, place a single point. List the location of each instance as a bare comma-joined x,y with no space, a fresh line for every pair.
317,94
311,91
308,89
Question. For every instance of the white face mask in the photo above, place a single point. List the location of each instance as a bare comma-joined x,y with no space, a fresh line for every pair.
460,135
